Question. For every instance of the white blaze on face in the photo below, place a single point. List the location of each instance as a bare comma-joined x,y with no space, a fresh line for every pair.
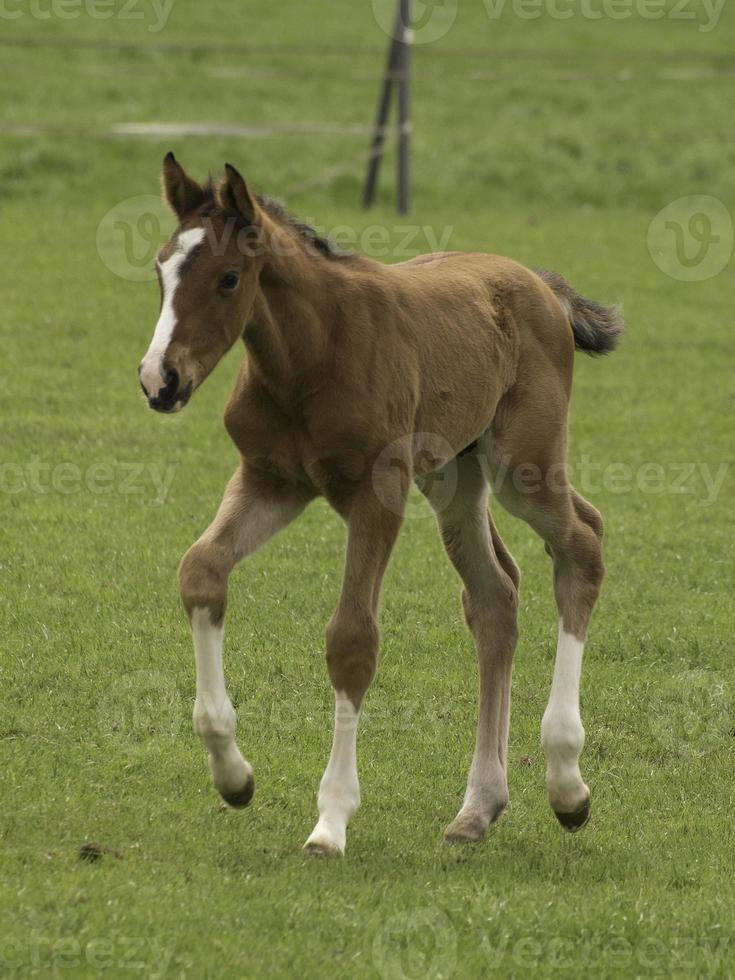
151,372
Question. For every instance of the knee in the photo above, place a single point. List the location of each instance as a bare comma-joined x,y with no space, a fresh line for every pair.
506,561
352,654
589,556
584,553
494,604
512,571
203,581
589,515
579,571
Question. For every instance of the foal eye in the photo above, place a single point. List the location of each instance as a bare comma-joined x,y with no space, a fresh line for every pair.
229,281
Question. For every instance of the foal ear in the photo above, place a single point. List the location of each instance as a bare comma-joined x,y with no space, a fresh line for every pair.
233,195
183,195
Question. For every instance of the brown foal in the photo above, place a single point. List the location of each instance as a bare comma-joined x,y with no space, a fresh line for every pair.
360,378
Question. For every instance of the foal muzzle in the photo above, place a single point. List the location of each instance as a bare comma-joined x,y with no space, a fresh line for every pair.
171,396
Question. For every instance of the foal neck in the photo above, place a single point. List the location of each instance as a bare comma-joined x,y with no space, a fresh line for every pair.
290,336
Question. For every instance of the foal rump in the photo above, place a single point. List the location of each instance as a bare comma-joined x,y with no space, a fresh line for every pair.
596,328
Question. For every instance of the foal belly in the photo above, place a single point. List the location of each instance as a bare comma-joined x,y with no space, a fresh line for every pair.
293,458
458,413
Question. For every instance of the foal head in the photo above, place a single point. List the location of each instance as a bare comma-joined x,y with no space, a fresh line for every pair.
208,273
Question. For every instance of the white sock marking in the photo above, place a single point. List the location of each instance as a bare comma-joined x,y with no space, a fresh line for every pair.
562,734
339,790
150,373
214,716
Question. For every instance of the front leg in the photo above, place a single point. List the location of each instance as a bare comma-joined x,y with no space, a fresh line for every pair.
253,509
373,521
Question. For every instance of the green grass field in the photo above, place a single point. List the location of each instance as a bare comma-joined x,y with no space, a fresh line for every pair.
554,141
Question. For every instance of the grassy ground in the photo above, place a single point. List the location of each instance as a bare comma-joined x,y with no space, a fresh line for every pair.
559,145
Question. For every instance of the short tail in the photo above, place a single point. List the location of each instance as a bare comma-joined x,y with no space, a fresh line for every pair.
596,328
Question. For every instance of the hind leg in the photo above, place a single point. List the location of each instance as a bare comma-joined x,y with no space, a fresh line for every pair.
490,598
576,553
531,442
572,530
578,572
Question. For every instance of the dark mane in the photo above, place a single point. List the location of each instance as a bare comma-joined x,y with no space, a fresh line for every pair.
274,209
308,234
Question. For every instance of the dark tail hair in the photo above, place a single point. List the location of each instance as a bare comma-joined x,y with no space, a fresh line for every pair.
596,328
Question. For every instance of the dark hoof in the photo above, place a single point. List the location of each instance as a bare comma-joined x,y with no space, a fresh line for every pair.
242,797
573,822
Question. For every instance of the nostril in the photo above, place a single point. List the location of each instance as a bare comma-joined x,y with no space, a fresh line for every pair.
168,394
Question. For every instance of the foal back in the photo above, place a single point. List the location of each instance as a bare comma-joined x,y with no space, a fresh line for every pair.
481,325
